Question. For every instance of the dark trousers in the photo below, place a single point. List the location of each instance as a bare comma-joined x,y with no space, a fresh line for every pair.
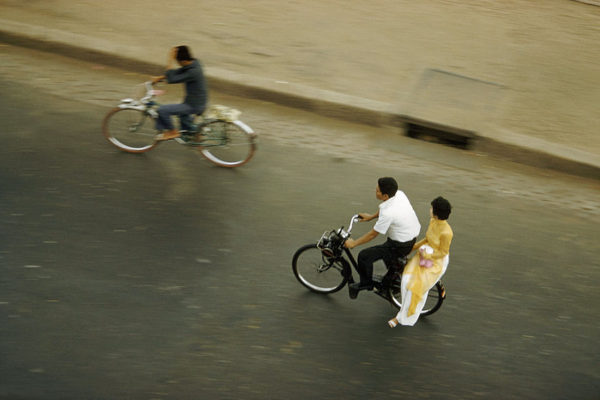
389,252
184,111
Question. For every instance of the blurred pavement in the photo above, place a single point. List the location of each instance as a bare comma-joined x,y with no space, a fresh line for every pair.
522,76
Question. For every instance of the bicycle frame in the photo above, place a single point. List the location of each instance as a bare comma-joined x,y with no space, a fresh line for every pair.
147,102
144,103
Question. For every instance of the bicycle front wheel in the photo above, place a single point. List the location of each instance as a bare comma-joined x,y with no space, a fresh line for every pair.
318,272
130,130
227,144
434,301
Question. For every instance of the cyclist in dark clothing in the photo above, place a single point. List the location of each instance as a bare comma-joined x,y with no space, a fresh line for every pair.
190,73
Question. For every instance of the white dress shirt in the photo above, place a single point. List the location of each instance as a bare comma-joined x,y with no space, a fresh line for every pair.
397,219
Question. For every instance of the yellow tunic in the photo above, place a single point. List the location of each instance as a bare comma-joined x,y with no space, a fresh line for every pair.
438,236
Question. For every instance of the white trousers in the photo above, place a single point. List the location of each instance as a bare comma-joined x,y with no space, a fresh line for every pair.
402,315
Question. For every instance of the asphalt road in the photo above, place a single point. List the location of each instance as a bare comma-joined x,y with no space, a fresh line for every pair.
160,276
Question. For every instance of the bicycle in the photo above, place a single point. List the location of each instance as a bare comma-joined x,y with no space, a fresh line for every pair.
324,267
221,137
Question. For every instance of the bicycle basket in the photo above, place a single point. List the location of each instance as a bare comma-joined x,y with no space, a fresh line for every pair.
223,113
330,244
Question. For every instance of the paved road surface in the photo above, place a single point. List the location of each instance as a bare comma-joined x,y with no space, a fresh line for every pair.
162,277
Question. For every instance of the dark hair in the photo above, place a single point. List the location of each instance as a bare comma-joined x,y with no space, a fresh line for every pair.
441,208
388,186
183,53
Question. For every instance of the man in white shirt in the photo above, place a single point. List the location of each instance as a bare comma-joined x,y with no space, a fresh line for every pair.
397,220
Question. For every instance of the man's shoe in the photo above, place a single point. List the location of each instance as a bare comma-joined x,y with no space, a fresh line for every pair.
362,286
167,135
353,293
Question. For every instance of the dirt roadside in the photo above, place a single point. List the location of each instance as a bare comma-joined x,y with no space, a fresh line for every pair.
545,54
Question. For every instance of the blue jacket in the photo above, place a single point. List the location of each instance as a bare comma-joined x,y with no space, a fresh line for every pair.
195,85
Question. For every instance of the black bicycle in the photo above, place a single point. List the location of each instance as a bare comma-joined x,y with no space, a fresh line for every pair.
325,267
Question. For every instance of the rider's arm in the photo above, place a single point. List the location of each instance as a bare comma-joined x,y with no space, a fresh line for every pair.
172,58
180,75
368,217
444,249
173,74
419,244
367,237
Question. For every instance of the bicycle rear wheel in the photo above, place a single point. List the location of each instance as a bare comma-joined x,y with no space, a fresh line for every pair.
227,144
318,272
130,130
434,301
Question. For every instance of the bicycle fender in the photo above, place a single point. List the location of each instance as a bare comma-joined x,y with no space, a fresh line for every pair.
244,127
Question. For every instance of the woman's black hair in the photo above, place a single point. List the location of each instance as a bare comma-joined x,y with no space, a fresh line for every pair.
388,186
183,53
441,208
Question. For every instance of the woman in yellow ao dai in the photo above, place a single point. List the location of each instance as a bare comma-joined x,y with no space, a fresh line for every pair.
427,266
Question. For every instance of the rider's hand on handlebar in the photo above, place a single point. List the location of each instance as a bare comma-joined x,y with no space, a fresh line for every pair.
364,217
350,243
156,79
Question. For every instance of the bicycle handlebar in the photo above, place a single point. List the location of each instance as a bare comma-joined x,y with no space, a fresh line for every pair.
150,92
355,218
346,234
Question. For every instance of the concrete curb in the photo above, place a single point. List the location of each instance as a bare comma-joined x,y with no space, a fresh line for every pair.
511,146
